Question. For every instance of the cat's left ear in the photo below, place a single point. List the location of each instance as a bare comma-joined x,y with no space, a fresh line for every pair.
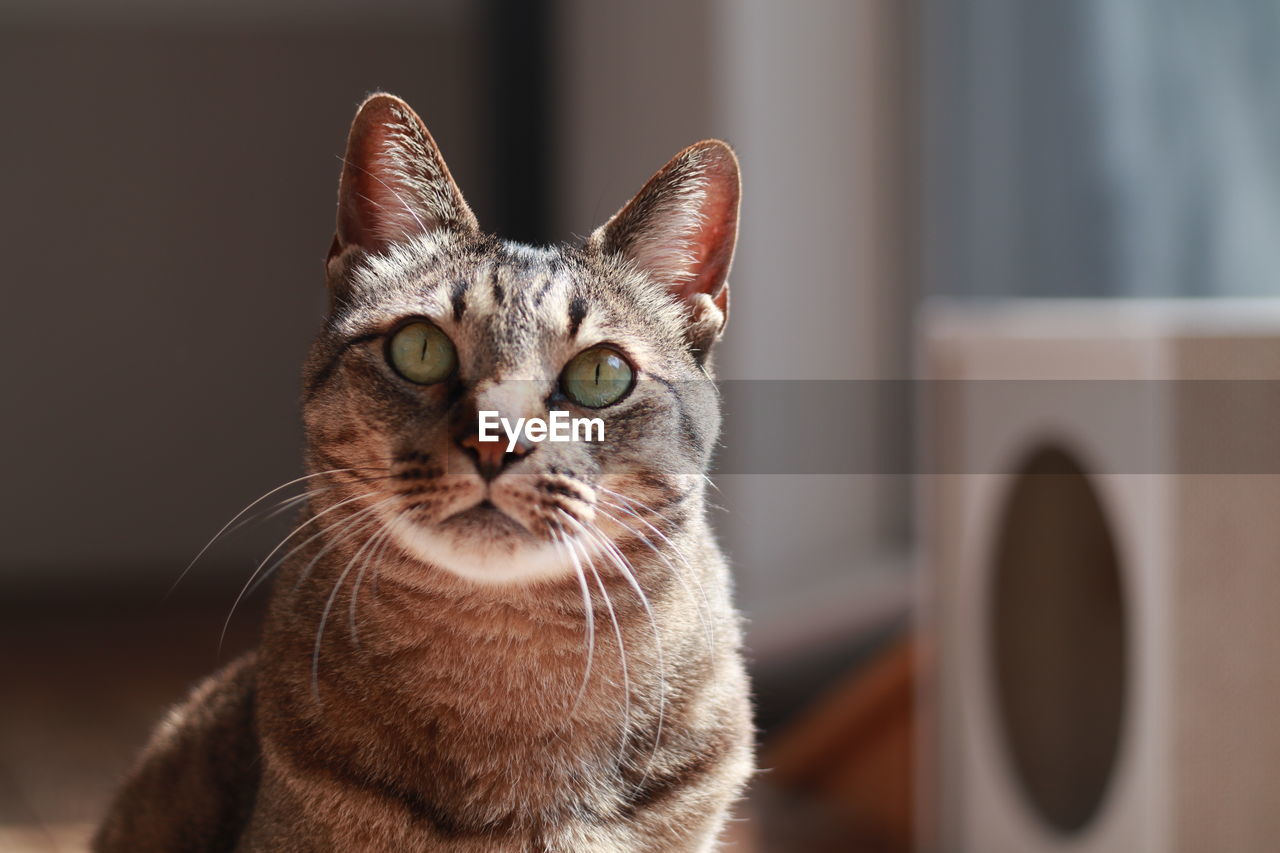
680,229
395,184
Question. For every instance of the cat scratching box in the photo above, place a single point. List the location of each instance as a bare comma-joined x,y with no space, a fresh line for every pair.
1100,609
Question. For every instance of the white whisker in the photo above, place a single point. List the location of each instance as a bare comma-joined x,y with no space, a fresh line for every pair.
635,503
623,565
328,606
259,576
706,603
382,538
622,653
311,564
246,510
249,584
702,604
589,610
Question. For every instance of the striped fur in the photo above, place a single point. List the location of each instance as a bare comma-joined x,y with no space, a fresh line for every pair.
557,669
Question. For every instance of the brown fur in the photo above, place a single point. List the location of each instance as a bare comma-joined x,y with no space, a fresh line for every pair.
423,679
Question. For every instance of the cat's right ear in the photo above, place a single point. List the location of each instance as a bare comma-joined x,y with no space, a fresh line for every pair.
680,230
395,185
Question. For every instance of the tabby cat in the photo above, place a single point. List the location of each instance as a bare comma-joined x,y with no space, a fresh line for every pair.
483,646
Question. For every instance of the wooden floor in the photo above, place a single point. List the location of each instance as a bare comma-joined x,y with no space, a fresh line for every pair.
83,682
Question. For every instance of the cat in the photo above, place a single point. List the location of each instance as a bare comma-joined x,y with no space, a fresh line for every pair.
485,646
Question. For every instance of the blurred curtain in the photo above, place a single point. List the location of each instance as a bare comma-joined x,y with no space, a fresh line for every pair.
1102,147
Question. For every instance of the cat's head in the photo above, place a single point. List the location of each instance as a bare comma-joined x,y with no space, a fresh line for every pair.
432,322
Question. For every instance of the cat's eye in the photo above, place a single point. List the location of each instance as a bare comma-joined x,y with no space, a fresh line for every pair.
597,377
421,353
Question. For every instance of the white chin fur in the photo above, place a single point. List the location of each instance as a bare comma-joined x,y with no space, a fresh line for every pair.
485,562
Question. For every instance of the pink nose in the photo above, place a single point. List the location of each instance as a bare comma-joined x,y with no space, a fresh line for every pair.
492,456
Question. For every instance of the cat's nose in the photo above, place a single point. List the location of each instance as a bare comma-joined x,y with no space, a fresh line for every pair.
496,409
491,457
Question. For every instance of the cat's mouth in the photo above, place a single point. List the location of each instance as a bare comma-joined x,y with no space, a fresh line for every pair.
509,529
492,541
485,514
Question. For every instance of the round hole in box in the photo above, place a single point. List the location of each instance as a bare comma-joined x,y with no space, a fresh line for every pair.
1058,639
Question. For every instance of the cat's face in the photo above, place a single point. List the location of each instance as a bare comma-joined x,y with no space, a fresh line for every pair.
432,323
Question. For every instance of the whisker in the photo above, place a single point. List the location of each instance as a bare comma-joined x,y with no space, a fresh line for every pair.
635,503
562,552
624,567
254,503
382,538
258,576
291,502
276,509
706,603
703,605
622,653
588,609
337,586
311,564
249,584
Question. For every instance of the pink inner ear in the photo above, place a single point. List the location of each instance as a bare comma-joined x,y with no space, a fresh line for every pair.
712,243
380,208
394,181
359,211
682,225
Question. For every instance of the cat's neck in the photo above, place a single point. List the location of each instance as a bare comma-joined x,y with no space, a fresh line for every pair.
434,677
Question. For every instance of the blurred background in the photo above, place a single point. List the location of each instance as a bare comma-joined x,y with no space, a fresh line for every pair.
924,183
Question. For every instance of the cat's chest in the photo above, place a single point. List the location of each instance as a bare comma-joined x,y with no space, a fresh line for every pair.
469,714
496,761
562,708
489,720
508,677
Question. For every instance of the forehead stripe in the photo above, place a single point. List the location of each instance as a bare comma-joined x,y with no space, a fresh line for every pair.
499,294
543,288
457,295
577,312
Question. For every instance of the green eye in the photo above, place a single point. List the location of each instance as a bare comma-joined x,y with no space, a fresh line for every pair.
422,353
596,378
